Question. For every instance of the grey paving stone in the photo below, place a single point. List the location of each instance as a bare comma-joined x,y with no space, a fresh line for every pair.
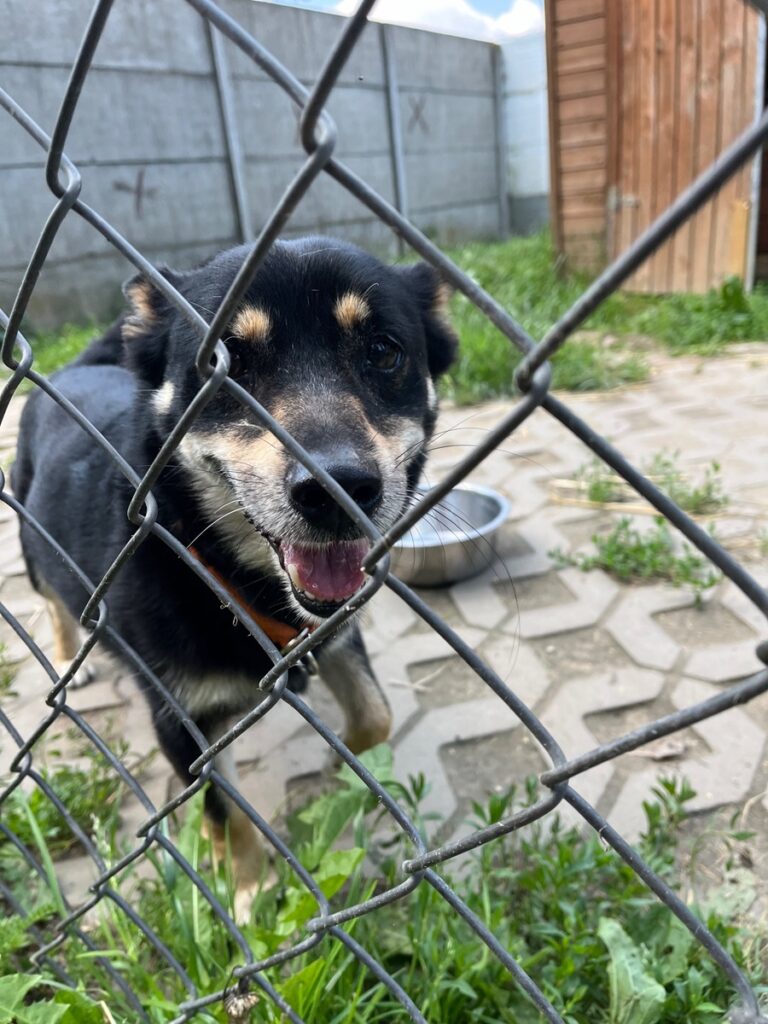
527,495
723,662
478,602
592,594
9,535
265,782
12,415
724,775
100,695
736,745
392,665
419,751
576,700
13,567
518,667
75,875
386,618
632,624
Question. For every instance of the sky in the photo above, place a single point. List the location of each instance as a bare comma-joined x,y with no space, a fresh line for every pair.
482,19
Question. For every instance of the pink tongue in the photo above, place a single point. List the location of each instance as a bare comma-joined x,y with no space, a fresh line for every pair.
330,573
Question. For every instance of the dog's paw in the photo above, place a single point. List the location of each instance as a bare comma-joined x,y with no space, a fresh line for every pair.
82,677
246,893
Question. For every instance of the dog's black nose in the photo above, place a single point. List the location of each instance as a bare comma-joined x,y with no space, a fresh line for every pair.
361,482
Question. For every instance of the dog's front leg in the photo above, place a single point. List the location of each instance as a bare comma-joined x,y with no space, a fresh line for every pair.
233,834
346,670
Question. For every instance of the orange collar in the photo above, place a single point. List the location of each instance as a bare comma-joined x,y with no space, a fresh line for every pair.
280,633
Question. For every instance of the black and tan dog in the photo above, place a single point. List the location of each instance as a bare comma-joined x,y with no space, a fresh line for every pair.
343,351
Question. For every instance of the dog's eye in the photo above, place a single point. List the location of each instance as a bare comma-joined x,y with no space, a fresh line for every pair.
384,354
236,363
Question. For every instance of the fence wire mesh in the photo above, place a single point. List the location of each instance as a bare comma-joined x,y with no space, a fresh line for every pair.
318,137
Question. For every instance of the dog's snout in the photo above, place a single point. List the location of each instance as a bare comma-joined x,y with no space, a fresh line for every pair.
361,481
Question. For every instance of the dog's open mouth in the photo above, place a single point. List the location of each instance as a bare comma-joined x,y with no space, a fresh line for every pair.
323,578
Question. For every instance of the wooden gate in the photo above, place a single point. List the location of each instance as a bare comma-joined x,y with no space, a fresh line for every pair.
680,80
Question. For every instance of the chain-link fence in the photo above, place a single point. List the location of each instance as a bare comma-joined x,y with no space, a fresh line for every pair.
422,868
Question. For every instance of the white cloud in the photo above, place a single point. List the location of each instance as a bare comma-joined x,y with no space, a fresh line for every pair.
453,16
457,17
523,16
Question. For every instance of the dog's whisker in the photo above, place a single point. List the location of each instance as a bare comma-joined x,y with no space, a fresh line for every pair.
505,451
224,504
214,523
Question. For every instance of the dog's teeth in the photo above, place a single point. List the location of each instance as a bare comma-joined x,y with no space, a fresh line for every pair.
293,573
295,578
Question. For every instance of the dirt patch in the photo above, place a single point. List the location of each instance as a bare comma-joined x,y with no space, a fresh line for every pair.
670,750
581,652
448,681
722,867
479,768
709,624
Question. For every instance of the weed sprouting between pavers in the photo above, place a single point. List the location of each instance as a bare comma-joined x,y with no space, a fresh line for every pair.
633,555
83,782
701,497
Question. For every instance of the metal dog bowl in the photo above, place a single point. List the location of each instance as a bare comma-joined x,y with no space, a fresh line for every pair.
454,540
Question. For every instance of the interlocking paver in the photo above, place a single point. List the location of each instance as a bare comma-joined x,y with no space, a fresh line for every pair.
566,717
721,662
478,602
592,594
419,751
632,625
723,775
392,666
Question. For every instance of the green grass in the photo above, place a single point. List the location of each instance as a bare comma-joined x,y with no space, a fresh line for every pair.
522,275
7,673
642,556
52,349
91,792
573,914
602,485
704,496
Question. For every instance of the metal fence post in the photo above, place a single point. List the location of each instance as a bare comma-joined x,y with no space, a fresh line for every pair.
497,63
235,158
394,124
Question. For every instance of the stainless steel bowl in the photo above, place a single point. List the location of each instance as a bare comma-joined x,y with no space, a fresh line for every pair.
454,540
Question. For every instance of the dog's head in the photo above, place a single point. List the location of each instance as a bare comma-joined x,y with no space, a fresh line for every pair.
343,351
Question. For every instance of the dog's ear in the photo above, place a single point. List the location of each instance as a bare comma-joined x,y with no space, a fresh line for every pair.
433,295
145,326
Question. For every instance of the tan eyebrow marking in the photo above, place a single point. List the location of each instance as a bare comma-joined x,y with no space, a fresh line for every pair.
350,310
143,316
252,324
441,303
